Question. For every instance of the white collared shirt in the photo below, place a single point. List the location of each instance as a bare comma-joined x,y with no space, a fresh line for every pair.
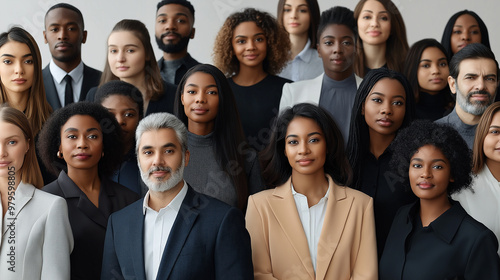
305,66
157,227
58,76
312,220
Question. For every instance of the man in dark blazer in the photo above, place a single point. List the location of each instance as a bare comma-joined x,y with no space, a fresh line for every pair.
173,30
64,33
174,232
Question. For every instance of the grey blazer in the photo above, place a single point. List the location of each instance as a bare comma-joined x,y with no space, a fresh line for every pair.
42,238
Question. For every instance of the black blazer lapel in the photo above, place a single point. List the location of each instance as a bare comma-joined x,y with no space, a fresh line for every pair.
50,89
136,243
91,79
180,231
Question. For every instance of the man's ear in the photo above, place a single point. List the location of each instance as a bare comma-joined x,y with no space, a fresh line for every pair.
186,158
452,83
84,36
44,37
192,33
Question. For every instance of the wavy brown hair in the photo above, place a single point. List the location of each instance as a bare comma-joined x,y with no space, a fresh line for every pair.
482,129
38,109
154,82
396,45
278,43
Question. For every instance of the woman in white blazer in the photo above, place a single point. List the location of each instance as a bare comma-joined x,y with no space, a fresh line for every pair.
35,236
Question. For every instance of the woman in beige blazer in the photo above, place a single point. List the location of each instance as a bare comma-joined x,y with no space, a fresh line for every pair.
35,236
310,226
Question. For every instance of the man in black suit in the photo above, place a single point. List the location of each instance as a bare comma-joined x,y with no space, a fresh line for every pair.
173,30
174,232
66,78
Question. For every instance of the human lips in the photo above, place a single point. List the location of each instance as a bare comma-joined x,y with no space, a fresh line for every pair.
170,35
62,46
4,163
159,172
19,81
425,185
374,33
122,68
436,80
251,56
337,60
82,156
480,96
305,161
294,24
385,122
200,110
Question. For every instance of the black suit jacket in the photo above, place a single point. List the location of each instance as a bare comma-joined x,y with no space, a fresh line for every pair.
208,240
88,223
91,78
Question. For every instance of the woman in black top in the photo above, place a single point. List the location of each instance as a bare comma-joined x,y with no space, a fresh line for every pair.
434,238
384,104
82,143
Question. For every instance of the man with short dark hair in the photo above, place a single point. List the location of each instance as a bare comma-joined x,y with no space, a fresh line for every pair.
174,232
173,30
474,80
66,78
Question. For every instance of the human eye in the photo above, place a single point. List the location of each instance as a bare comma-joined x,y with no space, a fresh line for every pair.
241,41
130,50
425,65
398,103
437,166
71,136
7,61
260,39
494,131
54,29
443,64
346,43
93,136
367,17
147,152
384,18
169,151
475,32
292,142
214,92
457,31
304,11
314,140
491,79
113,51
377,99
287,10
29,61
129,115
12,142
327,43
416,165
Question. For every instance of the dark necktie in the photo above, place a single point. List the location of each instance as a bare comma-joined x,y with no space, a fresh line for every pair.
68,95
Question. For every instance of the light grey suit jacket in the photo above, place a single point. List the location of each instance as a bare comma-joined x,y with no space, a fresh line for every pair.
36,236
308,91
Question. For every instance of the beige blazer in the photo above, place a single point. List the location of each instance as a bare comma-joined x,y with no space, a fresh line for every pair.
346,250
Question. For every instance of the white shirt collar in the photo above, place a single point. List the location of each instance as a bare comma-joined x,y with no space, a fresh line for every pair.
59,74
175,204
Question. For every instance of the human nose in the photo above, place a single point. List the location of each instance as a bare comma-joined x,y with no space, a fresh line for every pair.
466,36
82,143
121,56
170,24
158,159
303,148
250,45
120,119
293,14
374,22
426,172
480,85
337,48
3,151
62,35
200,98
435,69
386,108
19,68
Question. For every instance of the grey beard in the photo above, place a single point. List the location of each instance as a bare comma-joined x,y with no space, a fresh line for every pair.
159,186
476,108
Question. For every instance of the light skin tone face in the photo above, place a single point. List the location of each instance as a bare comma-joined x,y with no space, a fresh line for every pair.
296,17
16,68
476,82
161,148
65,35
249,44
305,147
491,146
126,56
465,31
374,23
384,107
432,71
200,98
13,148
126,112
337,50
430,174
81,143
174,21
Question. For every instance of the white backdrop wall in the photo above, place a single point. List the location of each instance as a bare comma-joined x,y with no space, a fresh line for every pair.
423,19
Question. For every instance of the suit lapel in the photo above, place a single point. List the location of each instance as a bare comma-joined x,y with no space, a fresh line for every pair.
337,212
283,206
136,238
85,84
180,231
315,88
50,89
24,193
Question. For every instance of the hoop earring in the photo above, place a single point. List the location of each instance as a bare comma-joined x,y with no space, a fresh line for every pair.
59,154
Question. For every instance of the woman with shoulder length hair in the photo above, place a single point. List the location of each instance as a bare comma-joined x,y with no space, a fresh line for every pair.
39,224
82,142
463,28
427,70
382,38
250,49
384,104
300,18
481,202
434,161
293,227
130,58
21,80
219,154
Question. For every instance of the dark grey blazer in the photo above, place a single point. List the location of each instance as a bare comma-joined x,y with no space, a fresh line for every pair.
91,78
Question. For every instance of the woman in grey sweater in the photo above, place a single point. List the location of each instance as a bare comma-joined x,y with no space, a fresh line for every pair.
221,163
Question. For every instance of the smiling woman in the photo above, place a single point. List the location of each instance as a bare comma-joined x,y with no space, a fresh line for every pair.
82,143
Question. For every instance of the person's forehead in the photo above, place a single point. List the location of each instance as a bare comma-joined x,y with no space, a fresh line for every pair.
481,65
62,14
159,138
173,9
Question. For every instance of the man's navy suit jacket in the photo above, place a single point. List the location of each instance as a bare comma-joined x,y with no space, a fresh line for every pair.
208,240
91,78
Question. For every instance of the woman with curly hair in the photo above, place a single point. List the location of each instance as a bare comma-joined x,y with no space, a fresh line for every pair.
427,70
382,38
481,201
434,238
250,49
384,104
82,143
300,18
310,225
217,166
130,58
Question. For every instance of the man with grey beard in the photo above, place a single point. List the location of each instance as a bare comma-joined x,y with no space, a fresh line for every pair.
474,80
174,232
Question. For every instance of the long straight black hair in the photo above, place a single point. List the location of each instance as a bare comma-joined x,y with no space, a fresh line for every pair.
229,139
359,137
